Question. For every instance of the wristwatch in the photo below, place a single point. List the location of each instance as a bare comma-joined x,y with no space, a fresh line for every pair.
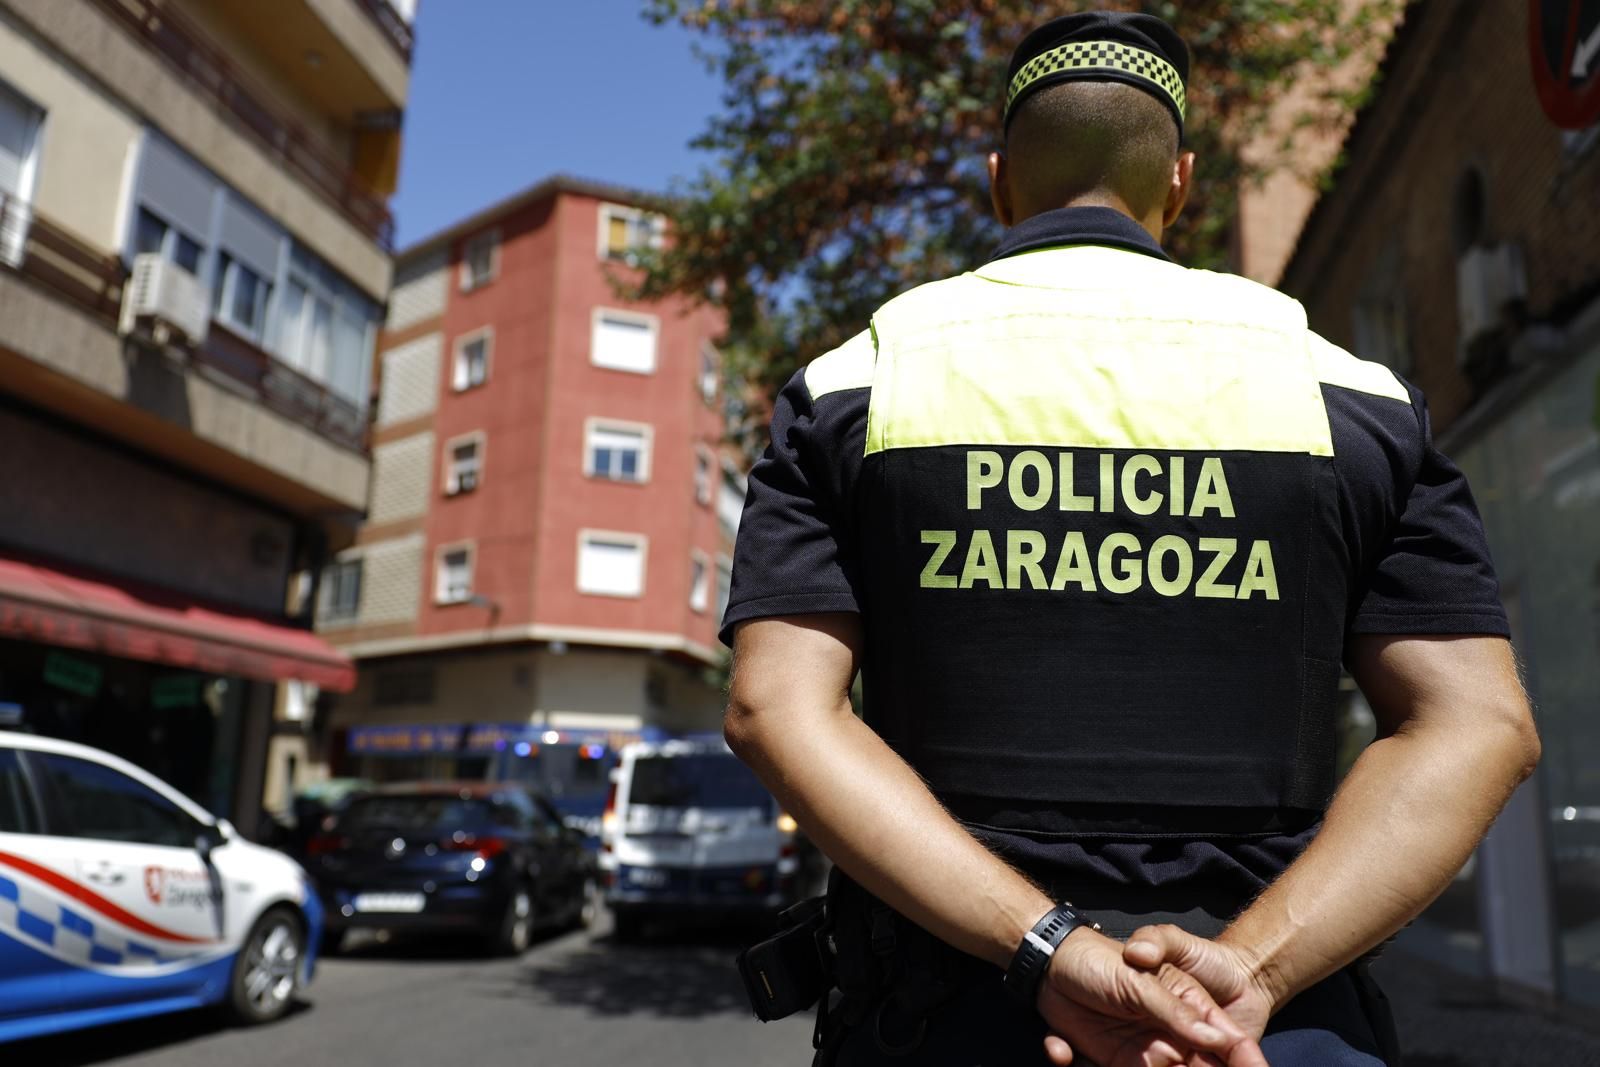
1038,946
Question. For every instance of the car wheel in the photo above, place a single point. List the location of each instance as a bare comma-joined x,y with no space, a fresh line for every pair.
516,925
266,973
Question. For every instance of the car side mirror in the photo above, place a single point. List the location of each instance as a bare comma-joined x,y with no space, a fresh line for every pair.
210,838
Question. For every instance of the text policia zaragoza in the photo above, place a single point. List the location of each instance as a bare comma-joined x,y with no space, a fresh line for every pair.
1211,567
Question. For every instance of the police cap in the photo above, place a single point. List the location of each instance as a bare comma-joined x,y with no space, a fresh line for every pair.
1138,50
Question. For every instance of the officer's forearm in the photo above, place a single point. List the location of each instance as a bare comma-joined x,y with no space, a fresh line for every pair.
875,818
1404,822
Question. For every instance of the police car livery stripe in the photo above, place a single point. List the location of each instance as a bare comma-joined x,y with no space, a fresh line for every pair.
95,901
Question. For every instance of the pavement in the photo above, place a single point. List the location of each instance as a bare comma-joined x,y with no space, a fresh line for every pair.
673,1001
1449,1020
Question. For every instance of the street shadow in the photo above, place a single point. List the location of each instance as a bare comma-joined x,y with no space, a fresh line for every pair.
679,973
82,1048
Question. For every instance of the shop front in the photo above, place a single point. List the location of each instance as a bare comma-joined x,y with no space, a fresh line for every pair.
1536,473
180,689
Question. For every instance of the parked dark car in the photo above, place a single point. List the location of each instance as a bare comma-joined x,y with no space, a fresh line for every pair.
488,859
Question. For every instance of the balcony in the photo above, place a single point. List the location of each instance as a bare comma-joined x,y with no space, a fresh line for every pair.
176,39
282,389
56,260
394,26
92,281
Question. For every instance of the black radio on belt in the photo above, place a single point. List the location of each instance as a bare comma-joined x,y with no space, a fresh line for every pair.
789,971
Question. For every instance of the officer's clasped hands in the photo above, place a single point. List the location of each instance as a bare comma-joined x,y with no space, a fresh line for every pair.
1135,1005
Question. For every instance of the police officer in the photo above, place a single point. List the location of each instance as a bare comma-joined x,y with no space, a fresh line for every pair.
1099,532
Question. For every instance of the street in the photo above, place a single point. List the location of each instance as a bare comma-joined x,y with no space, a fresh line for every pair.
573,999
673,1001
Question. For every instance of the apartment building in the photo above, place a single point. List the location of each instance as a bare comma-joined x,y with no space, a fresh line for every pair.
1459,244
548,543
194,255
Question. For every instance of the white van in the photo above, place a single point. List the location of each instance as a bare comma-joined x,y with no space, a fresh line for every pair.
690,829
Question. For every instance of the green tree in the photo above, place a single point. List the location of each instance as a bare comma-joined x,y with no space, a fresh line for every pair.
849,157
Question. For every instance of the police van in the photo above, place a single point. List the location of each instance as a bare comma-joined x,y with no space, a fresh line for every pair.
120,898
688,829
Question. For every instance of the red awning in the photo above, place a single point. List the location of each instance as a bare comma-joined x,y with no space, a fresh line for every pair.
56,608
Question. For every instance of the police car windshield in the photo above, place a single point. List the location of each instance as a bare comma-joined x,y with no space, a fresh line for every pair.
705,781
414,813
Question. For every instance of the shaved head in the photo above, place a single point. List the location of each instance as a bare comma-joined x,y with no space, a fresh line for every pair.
1088,140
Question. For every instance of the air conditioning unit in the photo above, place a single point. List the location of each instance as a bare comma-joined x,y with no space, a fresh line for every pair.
466,481
164,302
1490,282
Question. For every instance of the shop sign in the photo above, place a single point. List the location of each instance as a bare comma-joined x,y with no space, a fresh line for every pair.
175,691
72,674
445,738
1564,46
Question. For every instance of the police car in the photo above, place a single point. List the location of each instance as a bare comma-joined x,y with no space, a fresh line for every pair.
120,897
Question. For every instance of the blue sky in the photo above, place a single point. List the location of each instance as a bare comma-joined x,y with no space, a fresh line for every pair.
506,92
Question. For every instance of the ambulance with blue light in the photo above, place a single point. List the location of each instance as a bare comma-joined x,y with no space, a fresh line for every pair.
121,898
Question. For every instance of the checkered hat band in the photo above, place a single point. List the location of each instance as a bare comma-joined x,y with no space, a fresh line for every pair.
1090,56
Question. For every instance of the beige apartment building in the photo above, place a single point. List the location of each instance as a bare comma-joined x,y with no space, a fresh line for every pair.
194,257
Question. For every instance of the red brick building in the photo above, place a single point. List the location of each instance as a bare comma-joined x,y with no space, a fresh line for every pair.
1460,244
549,530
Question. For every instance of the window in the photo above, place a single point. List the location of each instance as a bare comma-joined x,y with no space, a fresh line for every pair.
710,366
341,591
108,805
324,327
453,581
627,231
702,476
699,582
463,464
472,360
240,297
480,260
611,564
730,500
1379,315
19,139
17,812
151,234
618,451
724,584
624,342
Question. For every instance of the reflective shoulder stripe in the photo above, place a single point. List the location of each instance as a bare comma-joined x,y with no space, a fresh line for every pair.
847,367
1334,366
1155,357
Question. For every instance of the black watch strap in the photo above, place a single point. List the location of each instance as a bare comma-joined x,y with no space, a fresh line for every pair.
1038,945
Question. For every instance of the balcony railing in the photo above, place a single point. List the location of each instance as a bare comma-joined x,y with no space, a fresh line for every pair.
281,388
60,262
92,281
185,48
393,25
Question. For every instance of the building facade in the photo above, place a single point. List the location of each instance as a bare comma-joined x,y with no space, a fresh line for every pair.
548,541
1460,245
194,255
